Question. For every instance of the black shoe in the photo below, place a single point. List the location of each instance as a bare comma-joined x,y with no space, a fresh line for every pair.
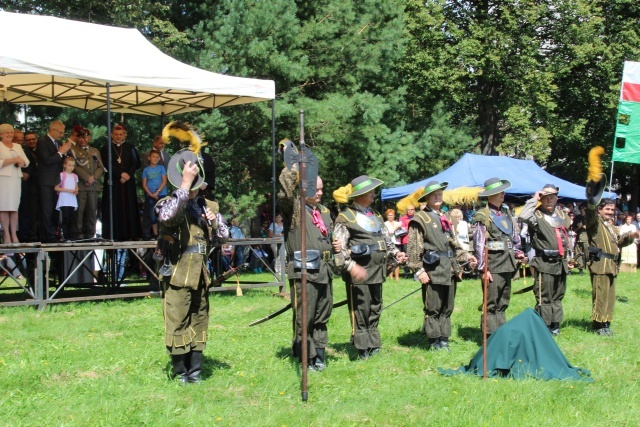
179,368
434,344
374,351
444,344
607,326
311,365
554,328
363,354
195,367
319,361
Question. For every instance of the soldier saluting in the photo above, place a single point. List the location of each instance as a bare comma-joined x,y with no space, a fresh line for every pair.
548,227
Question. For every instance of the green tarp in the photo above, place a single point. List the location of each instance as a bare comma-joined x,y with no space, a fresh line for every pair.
523,348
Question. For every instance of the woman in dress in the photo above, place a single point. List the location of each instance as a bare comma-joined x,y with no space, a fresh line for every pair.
393,225
276,229
12,159
629,254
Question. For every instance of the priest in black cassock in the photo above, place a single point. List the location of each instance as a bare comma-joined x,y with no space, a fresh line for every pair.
124,163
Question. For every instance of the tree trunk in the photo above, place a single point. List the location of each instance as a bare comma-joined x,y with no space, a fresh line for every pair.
487,116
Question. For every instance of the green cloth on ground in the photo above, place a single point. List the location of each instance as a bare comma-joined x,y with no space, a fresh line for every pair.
523,348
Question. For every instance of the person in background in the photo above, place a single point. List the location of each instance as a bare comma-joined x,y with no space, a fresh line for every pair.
276,229
629,254
50,152
124,163
395,229
154,184
67,191
405,220
89,169
12,159
236,233
29,221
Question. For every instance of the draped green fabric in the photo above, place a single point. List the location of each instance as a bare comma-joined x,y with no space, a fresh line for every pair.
523,348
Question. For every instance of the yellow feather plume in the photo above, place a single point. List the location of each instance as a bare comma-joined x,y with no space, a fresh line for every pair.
461,195
595,165
410,200
183,132
341,195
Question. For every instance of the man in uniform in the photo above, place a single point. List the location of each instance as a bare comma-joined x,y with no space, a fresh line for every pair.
548,228
604,247
364,244
494,231
319,266
432,250
185,242
89,169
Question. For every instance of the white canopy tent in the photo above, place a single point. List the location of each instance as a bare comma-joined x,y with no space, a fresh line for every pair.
65,63
54,61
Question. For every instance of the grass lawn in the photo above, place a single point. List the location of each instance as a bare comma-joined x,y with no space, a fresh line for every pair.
104,364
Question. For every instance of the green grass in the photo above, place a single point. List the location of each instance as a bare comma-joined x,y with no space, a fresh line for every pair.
104,364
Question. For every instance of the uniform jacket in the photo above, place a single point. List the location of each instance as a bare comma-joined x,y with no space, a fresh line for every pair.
502,261
604,236
87,165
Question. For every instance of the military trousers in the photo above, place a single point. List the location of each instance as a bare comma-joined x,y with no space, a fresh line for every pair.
84,224
319,307
549,290
186,318
498,297
365,307
438,306
603,297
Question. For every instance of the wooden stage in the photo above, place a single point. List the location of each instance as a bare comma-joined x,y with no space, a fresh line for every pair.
91,270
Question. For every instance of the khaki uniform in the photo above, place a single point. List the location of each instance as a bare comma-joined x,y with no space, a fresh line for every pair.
604,236
502,245
427,235
356,225
319,281
88,164
551,268
186,289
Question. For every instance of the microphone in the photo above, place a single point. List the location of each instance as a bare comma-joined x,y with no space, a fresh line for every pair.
203,205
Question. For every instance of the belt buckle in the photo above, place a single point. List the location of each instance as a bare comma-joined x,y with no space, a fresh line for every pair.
382,246
326,256
509,245
202,248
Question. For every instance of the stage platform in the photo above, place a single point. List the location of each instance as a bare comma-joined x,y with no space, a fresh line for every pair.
93,270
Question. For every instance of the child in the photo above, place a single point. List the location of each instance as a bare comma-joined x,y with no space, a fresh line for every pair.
67,190
154,184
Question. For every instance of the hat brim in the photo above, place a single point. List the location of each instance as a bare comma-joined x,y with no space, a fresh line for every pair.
176,165
505,185
375,183
548,192
440,186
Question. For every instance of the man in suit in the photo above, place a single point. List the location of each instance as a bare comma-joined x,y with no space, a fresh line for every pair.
50,152
29,212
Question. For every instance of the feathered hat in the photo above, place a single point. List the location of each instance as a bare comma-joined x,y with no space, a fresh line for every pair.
596,181
185,133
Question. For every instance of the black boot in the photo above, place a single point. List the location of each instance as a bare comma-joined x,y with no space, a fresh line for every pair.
363,354
195,367
607,327
444,343
179,368
319,360
434,344
555,329
600,329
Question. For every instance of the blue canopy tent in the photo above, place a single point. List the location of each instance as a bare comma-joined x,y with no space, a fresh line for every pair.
473,169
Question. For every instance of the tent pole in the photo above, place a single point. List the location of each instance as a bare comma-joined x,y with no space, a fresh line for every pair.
109,156
273,159
611,176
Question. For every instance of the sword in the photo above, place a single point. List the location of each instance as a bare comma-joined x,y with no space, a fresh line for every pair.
523,290
224,276
284,309
398,300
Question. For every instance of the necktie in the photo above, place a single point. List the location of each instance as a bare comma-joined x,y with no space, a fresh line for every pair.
559,241
55,144
318,222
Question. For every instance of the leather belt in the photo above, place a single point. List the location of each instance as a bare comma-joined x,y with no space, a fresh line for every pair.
200,248
448,254
548,254
613,257
496,245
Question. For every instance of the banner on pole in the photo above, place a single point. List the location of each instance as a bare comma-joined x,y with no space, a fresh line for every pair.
626,145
